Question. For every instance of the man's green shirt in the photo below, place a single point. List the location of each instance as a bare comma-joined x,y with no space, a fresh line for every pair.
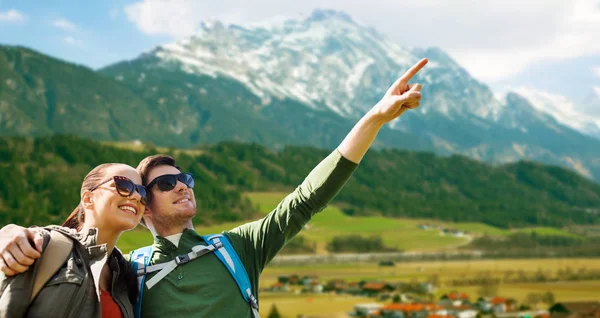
204,287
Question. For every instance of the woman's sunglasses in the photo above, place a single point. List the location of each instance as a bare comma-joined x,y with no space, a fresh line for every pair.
168,182
125,187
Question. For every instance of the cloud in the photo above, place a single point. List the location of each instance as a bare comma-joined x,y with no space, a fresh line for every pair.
177,18
65,25
73,41
12,15
493,39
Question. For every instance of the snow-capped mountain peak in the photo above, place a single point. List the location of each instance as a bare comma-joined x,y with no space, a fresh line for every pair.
326,60
562,109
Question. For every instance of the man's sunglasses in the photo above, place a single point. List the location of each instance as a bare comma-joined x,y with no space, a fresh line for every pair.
125,187
168,182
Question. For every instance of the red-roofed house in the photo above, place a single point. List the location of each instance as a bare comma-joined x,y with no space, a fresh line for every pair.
374,288
456,298
279,287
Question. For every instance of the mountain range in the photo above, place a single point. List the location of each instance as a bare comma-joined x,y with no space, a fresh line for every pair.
302,81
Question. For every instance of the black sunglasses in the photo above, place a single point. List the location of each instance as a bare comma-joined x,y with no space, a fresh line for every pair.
167,182
125,187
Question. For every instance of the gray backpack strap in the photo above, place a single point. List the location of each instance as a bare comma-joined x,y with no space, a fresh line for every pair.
53,257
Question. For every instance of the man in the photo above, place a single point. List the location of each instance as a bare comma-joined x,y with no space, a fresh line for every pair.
204,287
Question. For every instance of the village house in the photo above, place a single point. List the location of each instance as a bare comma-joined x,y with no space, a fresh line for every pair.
278,287
497,304
462,311
366,310
307,280
289,279
312,286
353,288
456,299
337,286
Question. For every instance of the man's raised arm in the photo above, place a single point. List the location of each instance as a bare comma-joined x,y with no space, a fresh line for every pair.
264,238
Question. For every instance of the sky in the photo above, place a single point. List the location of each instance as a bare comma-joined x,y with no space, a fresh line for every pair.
547,45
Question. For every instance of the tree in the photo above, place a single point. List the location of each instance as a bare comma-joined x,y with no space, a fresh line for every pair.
274,312
533,299
548,298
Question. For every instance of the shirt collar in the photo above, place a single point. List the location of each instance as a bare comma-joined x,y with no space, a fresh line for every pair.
165,245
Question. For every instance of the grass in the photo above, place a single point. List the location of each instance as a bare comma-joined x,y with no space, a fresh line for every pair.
420,270
266,201
133,239
548,231
401,234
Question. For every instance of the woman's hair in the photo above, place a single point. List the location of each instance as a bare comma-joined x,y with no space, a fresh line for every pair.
93,178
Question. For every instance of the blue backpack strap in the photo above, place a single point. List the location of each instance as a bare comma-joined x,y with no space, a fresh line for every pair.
140,259
234,265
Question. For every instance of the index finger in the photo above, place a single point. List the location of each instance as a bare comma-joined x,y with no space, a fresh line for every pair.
413,70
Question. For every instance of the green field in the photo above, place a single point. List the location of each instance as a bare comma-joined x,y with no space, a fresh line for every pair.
402,234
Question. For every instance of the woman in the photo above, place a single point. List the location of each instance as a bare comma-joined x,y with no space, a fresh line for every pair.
95,281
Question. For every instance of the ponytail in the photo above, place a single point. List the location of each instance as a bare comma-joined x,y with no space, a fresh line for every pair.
75,219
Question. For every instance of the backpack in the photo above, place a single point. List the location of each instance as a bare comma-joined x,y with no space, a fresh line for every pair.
217,243
52,259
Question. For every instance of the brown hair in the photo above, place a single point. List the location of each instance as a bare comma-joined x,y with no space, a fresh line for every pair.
146,165
93,178
152,161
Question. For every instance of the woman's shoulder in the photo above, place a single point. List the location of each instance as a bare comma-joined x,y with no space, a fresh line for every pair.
65,231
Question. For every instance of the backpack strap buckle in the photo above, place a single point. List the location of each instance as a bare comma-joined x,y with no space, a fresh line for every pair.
182,259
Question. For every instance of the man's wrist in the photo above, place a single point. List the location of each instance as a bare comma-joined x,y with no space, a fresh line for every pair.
374,119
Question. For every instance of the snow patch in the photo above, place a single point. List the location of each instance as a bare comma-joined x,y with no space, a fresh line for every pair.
578,166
